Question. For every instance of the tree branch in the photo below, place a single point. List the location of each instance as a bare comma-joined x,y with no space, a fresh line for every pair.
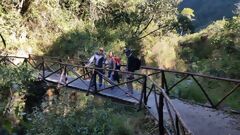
146,26
149,33
152,32
20,6
140,22
3,40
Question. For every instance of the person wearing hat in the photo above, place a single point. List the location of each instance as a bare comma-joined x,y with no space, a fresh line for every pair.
98,59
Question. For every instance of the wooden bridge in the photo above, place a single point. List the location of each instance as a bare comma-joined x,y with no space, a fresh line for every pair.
151,91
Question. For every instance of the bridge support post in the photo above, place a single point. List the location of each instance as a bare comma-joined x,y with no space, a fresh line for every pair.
161,104
143,97
25,62
160,115
95,81
145,90
164,83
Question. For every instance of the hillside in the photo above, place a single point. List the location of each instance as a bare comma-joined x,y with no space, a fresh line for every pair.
207,11
214,50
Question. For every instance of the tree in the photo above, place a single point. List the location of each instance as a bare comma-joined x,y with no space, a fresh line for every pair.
20,5
134,21
184,21
188,12
184,25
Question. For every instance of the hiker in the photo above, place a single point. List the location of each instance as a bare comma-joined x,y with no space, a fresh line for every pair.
98,59
110,64
116,67
133,64
129,67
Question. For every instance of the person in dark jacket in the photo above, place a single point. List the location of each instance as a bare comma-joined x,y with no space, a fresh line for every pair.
130,68
98,59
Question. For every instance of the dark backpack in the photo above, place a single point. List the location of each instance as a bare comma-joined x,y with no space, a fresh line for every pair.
137,63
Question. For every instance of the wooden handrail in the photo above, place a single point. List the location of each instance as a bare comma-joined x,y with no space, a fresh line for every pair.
144,67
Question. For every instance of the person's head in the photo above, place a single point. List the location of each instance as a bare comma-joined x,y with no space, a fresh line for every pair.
128,52
110,54
101,50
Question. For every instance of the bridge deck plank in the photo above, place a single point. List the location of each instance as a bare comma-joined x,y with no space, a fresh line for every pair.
83,85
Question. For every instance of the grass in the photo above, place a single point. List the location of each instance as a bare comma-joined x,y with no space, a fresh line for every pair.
216,90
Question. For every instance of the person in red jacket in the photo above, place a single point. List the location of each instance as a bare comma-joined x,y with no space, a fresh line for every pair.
116,67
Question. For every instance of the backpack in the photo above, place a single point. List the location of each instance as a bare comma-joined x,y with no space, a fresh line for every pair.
137,63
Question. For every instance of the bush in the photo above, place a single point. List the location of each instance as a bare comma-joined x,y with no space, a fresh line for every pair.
85,116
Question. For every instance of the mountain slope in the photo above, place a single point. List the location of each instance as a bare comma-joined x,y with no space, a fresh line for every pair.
207,11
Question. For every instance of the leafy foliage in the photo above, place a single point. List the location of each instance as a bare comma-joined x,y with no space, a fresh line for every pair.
86,115
184,25
13,84
188,12
215,53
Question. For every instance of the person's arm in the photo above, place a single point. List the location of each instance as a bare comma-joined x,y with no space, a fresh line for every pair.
90,61
127,66
114,64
